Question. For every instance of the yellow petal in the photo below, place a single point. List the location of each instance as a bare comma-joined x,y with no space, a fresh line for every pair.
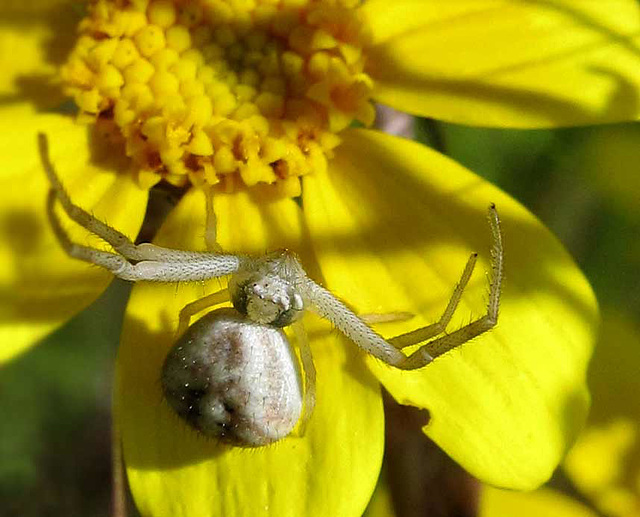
44,32
544,502
604,463
508,63
381,503
393,224
173,471
41,287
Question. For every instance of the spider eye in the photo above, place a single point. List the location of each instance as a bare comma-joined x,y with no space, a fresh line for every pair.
269,300
287,317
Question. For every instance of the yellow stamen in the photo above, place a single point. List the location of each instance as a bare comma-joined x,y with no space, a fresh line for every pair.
223,92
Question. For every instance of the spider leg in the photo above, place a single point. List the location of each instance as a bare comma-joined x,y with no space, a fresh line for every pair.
386,317
212,266
120,242
331,308
153,262
309,373
110,261
324,303
193,308
210,234
441,345
424,333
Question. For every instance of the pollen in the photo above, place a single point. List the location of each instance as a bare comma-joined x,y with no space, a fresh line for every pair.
231,93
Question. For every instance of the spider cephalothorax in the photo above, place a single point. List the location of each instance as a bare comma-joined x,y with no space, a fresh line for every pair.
266,289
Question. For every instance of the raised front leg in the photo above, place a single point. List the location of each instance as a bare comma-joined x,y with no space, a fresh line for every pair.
330,307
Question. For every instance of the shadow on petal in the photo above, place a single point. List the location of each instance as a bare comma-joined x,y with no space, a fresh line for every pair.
48,27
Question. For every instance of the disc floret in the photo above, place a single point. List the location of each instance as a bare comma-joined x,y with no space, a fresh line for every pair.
227,93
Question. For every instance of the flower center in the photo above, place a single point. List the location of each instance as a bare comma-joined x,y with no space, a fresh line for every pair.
223,92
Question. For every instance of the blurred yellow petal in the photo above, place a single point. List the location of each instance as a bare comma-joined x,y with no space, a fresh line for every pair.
35,38
393,224
381,503
173,471
605,462
508,63
40,286
544,502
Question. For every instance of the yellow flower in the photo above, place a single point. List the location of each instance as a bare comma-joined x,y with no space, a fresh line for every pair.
251,100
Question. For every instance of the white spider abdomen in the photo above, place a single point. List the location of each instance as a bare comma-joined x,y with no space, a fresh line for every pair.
234,379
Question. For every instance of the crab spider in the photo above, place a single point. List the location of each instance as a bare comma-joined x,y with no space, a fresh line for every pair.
232,374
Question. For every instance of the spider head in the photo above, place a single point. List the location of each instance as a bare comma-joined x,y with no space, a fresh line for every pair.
264,289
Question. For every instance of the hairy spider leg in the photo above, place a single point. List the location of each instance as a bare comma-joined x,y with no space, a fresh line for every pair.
448,342
154,263
211,231
386,317
110,261
331,308
424,333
